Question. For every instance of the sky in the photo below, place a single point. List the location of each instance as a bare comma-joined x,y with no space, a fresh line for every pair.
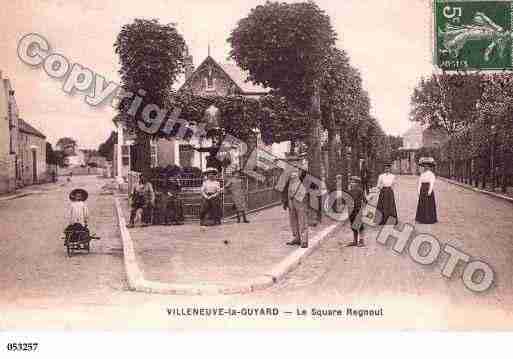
388,41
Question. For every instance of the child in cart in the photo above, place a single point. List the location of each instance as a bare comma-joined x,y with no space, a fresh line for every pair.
78,216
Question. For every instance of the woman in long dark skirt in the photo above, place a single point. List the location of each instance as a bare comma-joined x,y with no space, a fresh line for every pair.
426,208
386,208
211,193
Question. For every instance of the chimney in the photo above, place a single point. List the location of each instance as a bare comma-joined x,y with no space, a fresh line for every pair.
189,64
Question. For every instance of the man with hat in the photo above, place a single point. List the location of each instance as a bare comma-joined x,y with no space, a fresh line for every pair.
297,206
211,191
355,217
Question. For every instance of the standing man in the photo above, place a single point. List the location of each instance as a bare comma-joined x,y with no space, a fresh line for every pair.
136,202
297,206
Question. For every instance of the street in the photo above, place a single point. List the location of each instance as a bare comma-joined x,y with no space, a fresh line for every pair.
42,288
36,270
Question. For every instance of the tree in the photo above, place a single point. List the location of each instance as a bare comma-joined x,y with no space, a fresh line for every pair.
285,46
50,155
447,101
106,149
341,83
66,144
151,57
396,142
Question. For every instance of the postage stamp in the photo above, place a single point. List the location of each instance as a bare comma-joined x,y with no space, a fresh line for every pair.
473,34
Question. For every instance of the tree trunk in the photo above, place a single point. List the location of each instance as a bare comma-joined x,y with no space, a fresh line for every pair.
314,145
505,158
355,157
331,182
343,159
142,161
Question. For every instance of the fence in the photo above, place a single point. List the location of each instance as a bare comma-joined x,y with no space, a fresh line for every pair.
479,172
259,195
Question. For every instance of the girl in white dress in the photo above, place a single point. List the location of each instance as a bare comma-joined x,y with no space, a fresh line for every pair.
387,210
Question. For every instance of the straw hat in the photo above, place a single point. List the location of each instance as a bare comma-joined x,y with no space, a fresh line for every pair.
427,161
79,191
210,170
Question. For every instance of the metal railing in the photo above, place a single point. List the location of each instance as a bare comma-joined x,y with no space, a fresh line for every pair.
258,195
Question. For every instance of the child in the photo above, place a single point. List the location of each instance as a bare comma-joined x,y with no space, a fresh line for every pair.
78,215
137,202
355,217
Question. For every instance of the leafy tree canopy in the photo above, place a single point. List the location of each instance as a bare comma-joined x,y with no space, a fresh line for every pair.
284,46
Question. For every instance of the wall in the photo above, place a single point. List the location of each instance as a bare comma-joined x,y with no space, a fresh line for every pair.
7,160
25,158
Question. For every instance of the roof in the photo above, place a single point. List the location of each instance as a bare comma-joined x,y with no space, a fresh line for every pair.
240,77
415,129
25,127
235,73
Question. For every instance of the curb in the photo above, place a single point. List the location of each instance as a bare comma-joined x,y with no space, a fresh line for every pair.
136,281
477,190
19,195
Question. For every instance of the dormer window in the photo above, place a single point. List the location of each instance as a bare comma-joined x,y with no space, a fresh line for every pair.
210,81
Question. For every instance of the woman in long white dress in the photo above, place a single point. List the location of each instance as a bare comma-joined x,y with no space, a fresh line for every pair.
386,208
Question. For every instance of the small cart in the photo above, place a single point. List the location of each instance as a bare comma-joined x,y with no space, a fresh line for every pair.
78,240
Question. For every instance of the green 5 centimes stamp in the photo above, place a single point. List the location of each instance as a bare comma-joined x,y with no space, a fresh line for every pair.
473,34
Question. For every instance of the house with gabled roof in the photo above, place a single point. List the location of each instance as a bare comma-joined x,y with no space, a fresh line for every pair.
31,155
210,78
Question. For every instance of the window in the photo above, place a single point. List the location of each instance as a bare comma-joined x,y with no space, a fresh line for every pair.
125,155
186,153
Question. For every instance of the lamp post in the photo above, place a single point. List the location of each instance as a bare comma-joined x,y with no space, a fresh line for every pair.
119,153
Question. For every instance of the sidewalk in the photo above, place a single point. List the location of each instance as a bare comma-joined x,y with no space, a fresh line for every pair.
502,196
29,190
190,255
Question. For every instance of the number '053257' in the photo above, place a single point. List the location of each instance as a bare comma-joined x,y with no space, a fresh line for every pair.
22,347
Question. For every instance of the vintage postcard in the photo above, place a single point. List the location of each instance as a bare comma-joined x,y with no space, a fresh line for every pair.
256,164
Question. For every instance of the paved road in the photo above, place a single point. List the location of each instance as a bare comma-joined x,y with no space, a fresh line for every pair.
42,288
36,271
412,295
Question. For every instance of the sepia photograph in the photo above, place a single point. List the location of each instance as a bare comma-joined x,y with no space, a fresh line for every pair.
251,164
